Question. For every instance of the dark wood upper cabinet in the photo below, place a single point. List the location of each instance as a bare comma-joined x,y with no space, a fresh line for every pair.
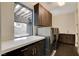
42,16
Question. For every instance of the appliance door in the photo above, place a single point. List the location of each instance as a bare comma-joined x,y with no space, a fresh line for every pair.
47,46
44,31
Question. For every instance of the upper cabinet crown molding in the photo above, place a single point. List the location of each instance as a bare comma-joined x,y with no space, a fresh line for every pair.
42,16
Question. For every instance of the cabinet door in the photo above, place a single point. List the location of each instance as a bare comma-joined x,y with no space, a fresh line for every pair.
40,16
27,51
50,19
43,16
47,18
40,48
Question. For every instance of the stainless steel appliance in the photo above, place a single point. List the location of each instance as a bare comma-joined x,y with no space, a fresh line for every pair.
51,35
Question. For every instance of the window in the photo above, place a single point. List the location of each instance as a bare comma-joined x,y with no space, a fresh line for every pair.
23,21
20,29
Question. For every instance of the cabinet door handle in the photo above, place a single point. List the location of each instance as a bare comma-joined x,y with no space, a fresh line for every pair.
24,49
33,51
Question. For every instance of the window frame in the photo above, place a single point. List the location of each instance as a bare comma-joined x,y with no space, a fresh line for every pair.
32,18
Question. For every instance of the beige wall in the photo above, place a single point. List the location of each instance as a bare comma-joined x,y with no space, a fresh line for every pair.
7,20
65,23
0,30
78,28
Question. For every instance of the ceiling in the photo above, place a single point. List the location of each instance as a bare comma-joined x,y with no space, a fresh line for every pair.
54,7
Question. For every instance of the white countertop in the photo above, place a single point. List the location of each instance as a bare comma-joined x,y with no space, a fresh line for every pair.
10,45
